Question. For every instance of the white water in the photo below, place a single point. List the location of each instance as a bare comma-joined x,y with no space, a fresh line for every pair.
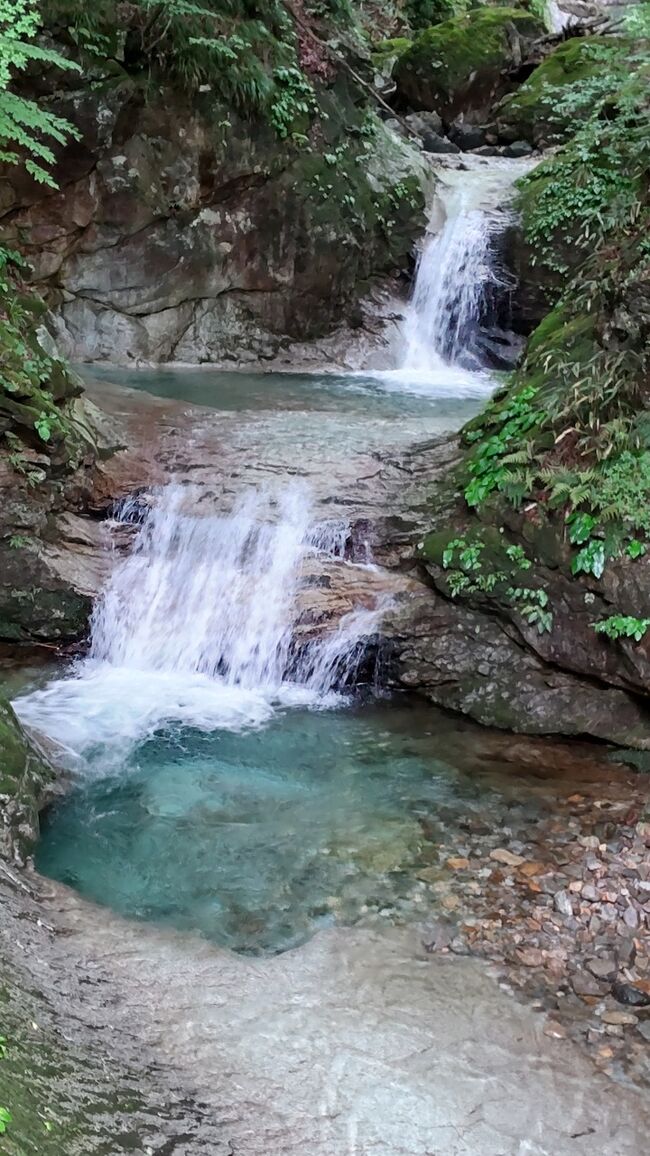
195,627
457,272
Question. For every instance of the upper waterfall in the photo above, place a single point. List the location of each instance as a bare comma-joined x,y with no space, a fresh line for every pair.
459,275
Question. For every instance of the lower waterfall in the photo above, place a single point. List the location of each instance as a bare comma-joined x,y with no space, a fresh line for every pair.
196,626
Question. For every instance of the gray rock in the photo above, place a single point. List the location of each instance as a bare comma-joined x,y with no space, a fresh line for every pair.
603,967
584,984
563,903
631,918
424,121
432,142
518,148
467,136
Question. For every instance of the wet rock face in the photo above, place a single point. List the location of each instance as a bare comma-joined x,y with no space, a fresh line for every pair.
24,774
185,233
467,661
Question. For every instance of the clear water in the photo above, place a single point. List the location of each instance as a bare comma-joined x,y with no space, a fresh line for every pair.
391,394
258,839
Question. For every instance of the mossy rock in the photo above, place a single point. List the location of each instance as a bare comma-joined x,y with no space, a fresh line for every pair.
424,13
460,65
531,113
24,773
385,56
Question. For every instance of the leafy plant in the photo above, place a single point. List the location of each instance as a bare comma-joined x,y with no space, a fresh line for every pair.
623,626
27,130
5,1119
533,606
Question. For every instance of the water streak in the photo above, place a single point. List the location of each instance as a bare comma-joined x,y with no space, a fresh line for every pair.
196,626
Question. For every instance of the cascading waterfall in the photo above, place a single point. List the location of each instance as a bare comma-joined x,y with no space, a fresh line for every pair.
196,626
459,271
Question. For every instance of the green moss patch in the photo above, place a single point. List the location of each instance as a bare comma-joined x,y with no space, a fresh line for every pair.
457,66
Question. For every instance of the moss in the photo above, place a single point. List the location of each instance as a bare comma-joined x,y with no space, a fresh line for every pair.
461,60
424,13
386,53
531,113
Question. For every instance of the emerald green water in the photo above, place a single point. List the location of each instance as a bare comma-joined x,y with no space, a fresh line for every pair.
257,839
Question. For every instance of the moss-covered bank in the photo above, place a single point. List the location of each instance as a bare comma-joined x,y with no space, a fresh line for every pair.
557,468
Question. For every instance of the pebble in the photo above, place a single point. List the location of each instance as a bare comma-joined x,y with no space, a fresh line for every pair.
502,855
458,864
619,1018
530,957
631,918
605,967
584,984
562,903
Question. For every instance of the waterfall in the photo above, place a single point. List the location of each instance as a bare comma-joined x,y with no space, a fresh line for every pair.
459,275
196,626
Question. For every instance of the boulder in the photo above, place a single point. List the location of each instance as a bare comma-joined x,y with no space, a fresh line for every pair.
190,233
533,112
461,66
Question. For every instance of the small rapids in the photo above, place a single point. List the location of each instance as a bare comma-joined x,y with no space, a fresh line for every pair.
196,628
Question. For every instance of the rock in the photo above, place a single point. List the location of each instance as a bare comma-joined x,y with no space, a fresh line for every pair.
502,855
181,200
528,115
432,142
619,1018
466,136
562,903
590,893
603,967
458,864
591,842
450,902
635,994
555,1030
587,985
518,148
24,775
530,868
631,918
644,1030
422,122
530,956
461,64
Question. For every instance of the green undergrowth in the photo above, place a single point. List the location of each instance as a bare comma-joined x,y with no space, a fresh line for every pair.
482,564
567,441
35,387
254,57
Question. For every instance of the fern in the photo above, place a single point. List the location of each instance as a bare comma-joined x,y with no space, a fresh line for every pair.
27,130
